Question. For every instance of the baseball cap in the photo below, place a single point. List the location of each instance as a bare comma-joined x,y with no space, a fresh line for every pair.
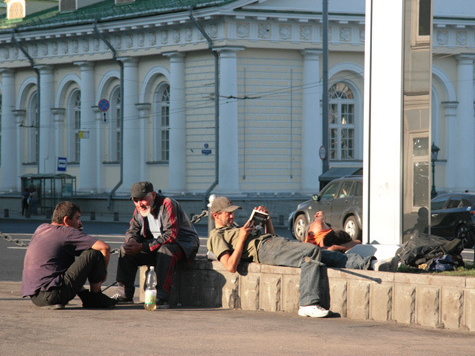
223,204
140,190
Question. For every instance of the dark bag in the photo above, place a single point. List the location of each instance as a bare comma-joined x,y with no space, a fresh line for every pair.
441,264
423,247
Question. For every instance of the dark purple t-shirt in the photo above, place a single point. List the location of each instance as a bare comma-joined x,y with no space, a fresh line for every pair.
52,250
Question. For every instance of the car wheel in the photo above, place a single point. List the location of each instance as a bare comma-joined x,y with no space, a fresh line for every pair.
299,227
465,235
352,228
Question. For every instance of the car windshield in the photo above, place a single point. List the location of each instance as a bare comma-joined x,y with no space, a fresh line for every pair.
330,191
439,202
345,189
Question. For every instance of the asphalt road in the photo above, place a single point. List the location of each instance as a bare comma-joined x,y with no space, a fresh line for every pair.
12,254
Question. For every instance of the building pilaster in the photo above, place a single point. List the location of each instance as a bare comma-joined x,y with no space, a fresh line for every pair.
228,120
465,128
177,161
311,167
131,133
88,159
47,156
9,172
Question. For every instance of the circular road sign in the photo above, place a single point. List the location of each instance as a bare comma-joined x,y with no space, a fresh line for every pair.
104,105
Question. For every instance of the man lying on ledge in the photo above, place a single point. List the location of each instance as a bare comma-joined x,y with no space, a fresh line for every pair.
319,233
232,244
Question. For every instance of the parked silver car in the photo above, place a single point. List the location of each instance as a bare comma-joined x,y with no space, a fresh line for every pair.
341,200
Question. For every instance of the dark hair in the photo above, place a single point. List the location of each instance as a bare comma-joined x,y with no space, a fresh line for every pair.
336,238
64,208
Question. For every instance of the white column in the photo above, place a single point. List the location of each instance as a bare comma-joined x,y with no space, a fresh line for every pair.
177,162
20,116
9,175
99,122
131,133
465,128
450,143
58,117
228,121
311,121
383,112
88,157
47,158
144,112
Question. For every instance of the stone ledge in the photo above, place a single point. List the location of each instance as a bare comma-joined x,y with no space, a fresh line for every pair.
428,300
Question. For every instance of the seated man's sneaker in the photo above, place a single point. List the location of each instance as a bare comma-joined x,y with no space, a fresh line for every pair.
162,304
53,306
313,311
387,265
122,300
96,300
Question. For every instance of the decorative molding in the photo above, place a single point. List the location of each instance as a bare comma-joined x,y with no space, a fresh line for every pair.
58,114
442,37
243,30
159,36
264,31
144,109
345,34
285,32
461,38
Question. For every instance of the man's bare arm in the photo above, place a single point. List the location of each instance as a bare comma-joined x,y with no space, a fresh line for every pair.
231,260
104,248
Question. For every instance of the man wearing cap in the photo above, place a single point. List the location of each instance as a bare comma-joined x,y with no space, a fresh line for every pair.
160,234
232,244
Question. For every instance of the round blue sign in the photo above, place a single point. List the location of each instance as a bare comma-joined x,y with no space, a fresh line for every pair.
104,105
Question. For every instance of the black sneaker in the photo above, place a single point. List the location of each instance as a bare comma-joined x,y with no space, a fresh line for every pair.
53,306
122,300
162,304
96,300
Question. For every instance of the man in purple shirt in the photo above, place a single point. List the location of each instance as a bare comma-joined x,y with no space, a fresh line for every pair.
59,260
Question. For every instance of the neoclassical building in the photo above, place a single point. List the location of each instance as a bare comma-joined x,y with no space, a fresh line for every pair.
196,94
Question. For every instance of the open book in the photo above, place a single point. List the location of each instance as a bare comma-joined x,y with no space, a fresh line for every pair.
259,220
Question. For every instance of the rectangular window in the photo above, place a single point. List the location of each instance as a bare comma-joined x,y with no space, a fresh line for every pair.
424,17
118,135
165,134
333,143
347,143
77,128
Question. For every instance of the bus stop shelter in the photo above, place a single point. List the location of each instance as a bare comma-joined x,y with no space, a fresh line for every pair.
47,190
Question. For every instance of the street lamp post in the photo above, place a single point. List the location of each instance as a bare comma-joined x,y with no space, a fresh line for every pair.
434,150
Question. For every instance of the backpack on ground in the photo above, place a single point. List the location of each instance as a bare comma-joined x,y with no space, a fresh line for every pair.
422,248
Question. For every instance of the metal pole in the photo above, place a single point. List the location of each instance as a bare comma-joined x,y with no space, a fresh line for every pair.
216,107
325,84
121,66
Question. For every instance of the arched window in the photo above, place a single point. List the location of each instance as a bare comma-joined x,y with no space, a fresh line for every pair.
16,11
161,123
115,133
74,126
32,128
341,123
67,5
